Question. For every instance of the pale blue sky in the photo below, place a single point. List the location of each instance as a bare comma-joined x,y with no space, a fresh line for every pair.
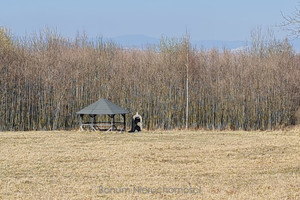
204,19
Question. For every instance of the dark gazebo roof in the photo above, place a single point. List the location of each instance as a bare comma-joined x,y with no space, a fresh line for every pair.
102,107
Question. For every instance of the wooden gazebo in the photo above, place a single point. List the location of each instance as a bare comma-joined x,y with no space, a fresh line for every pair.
102,107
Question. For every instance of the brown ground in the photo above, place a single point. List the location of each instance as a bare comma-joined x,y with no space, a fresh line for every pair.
224,165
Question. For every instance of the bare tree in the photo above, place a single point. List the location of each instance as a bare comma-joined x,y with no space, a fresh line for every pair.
292,23
187,47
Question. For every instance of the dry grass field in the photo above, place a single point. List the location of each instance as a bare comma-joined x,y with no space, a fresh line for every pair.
150,165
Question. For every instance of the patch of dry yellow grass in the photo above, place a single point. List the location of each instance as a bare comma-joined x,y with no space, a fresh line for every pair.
225,165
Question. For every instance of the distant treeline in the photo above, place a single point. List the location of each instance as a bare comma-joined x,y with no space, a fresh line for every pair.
46,78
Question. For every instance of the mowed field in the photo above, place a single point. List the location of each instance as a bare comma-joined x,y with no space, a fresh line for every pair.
150,165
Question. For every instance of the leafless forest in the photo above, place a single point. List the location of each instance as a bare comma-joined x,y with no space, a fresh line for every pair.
46,78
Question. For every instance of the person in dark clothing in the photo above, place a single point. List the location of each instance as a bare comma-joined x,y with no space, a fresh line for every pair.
134,125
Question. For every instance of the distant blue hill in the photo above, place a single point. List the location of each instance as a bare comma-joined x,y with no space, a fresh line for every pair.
220,44
142,41
137,41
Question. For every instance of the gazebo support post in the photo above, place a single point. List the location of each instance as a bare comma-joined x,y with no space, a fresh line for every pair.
113,124
92,121
124,117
